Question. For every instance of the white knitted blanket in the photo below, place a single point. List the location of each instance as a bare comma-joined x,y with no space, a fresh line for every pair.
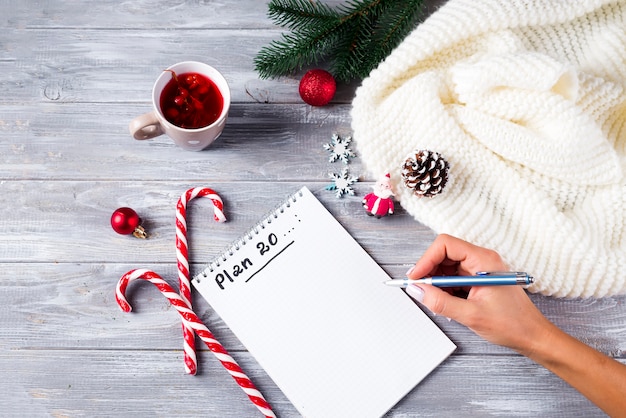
525,100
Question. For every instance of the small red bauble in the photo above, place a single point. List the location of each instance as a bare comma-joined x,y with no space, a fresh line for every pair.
317,87
125,221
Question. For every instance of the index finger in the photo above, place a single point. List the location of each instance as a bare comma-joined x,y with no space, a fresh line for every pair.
446,248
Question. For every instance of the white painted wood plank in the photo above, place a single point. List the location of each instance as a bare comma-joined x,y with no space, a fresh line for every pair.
139,14
91,142
91,383
110,66
72,305
70,221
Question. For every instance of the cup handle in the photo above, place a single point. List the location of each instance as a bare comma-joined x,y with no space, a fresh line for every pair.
145,126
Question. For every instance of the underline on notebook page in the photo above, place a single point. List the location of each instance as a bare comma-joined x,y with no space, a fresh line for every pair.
269,261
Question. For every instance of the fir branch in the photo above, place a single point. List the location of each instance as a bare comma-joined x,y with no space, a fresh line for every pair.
352,50
293,52
394,25
360,8
355,37
296,14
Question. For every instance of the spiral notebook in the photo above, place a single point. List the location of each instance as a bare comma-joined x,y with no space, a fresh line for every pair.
310,305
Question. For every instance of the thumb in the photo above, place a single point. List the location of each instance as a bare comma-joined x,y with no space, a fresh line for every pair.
439,302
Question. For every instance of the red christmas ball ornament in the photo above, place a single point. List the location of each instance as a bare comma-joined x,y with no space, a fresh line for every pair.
317,87
125,221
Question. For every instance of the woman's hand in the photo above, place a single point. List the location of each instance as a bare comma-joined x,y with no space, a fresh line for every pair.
503,315
506,316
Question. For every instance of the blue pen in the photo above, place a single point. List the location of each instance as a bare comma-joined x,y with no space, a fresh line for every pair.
482,278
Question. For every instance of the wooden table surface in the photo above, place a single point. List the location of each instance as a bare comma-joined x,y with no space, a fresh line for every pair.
72,75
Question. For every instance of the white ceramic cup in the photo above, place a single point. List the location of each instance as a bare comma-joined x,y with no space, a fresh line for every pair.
153,124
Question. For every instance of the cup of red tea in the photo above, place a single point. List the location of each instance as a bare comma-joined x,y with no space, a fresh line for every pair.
191,102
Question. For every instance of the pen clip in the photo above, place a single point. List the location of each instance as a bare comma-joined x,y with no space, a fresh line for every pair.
502,273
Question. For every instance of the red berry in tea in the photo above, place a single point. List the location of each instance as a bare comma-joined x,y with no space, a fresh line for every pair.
191,100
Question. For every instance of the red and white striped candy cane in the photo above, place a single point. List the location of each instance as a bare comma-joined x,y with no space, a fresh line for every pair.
182,257
194,323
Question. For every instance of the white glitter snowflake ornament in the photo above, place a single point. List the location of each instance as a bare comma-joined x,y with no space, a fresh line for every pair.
339,149
342,183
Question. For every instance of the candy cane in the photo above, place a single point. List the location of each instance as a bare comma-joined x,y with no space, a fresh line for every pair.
192,320
182,254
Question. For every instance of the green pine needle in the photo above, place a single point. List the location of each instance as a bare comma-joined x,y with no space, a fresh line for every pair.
353,38
296,14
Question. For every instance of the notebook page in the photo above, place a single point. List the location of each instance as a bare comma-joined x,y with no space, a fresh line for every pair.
314,312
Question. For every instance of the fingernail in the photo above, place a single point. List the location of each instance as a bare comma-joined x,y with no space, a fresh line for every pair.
409,271
415,292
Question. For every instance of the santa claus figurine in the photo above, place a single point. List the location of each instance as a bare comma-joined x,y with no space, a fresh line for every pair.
380,202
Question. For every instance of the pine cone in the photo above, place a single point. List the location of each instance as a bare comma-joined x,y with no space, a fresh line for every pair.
425,172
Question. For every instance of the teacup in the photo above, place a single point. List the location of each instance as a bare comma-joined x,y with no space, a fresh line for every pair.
191,102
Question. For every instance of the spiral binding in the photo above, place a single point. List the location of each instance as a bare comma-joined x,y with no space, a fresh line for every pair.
250,234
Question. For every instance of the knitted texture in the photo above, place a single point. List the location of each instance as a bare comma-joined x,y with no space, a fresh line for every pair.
526,102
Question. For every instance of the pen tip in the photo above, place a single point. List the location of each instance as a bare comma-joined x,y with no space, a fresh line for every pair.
394,283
